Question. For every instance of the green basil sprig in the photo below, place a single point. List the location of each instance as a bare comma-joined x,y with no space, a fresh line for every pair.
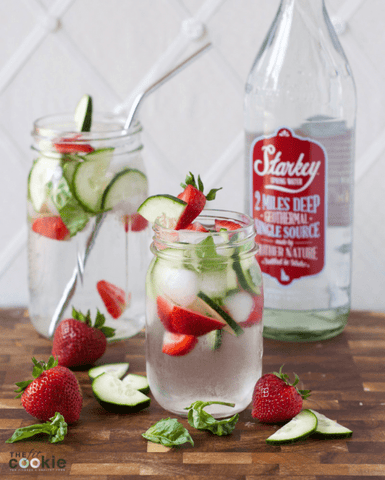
168,432
202,420
56,429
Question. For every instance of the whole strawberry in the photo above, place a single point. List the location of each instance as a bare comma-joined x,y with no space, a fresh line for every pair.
54,389
275,400
77,342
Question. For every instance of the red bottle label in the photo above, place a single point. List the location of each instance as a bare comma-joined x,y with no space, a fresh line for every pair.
289,183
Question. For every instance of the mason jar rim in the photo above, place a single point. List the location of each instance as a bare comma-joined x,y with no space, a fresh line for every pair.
53,125
166,237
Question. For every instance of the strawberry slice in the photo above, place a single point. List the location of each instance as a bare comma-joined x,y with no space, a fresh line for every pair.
177,319
51,227
113,297
134,223
176,344
226,225
197,227
196,200
65,145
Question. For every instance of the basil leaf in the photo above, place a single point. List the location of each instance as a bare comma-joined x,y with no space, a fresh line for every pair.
202,420
56,429
168,432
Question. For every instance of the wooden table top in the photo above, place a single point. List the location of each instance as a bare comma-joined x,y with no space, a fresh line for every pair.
346,375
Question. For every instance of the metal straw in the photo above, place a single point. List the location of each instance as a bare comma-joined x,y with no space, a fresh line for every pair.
70,288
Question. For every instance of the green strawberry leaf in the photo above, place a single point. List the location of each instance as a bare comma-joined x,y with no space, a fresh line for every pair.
56,429
99,321
168,432
283,376
190,180
38,369
202,420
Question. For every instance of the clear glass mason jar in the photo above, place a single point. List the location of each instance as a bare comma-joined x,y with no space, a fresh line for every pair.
81,184
204,315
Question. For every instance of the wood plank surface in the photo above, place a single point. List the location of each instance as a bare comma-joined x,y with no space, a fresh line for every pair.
346,375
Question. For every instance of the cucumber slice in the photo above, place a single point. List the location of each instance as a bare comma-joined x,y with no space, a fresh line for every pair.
116,397
90,179
248,273
234,327
218,284
138,382
83,114
40,175
117,369
299,428
158,205
129,186
214,339
329,428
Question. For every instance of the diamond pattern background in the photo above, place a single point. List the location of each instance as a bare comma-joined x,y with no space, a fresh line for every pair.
53,51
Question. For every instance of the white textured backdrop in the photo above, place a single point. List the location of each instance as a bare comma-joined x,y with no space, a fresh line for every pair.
53,51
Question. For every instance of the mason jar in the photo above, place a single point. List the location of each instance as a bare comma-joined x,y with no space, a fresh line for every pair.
204,314
87,246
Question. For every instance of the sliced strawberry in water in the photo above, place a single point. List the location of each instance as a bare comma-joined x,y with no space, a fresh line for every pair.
51,227
176,344
134,223
197,227
113,297
226,225
196,202
67,145
176,319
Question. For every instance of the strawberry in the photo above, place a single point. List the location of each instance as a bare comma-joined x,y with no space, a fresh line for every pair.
275,399
76,342
114,298
197,227
54,389
134,223
177,319
176,344
226,225
51,227
195,199
66,145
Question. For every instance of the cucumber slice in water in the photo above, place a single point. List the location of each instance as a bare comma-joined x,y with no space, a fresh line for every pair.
83,114
232,324
129,185
117,369
90,179
157,205
138,382
248,273
329,428
299,428
117,397
40,175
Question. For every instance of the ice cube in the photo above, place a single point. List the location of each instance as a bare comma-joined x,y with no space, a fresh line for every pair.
180,285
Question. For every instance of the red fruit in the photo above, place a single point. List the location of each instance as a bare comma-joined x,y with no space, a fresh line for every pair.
114,298
51,227
134,223
195,199
275,399
76,342
55,389
196,202
176,345
226,225
176,319
197,227
66,145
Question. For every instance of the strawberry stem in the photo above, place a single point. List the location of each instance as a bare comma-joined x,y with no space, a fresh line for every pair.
38,369
190,180
283,376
